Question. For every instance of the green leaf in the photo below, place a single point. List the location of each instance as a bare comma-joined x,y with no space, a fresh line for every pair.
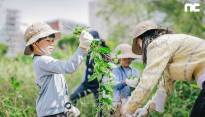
109,97
1,79
116,60
103,87
99,77
114,82
194,86
92,77
107,100
119,52
154,90
104,50
97,43
17,59
113,66
101,64
138,80
129,77
108,65
108,88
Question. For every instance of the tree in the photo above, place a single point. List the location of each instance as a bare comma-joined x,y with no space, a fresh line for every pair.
123,15
3,49
181,22
68,41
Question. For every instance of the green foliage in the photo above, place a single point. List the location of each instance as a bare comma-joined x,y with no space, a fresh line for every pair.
122,16
100,69
77,31
180,21
3,49
66,41
179,104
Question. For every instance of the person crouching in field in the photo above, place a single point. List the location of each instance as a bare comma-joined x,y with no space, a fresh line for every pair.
53,94
179,57
122,73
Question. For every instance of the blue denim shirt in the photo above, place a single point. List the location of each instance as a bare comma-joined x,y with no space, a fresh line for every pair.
122,90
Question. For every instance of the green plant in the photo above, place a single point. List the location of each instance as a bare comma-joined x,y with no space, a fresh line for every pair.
3,49
101,68
68,41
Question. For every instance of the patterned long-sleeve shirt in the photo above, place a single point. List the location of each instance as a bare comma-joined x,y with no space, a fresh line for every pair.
180,56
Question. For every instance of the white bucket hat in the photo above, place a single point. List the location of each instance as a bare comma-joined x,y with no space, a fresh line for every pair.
126,51
36,31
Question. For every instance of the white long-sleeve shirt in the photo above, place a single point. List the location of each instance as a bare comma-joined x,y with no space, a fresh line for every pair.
51,82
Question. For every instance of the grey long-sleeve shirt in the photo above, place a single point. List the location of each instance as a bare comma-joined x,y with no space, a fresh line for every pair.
51,82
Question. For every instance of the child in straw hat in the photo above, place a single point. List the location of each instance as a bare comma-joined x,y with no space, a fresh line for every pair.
53,94
122,73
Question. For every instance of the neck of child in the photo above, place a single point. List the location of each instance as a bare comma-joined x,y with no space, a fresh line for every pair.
38,53
125,66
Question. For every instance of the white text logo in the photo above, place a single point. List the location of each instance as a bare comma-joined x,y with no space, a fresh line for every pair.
192,7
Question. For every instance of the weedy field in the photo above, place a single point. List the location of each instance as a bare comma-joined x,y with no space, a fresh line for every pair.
18,91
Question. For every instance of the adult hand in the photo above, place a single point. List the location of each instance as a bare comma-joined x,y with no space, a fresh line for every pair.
85,39
140,112
132,83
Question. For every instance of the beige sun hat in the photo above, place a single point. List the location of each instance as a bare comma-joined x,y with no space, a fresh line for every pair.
140,29
126,51
36,31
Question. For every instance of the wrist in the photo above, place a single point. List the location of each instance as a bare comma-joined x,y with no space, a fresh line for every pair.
83,48
126,81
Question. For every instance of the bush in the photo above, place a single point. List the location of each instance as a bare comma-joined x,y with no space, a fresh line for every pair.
3,49
66,41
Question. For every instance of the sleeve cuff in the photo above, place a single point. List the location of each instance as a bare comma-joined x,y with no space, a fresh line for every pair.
81,51
123,83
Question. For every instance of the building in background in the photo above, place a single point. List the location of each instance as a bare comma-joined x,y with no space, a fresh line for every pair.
13,33
57,25
97,23
2,21
10,33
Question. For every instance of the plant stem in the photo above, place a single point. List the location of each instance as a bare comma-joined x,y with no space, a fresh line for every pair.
68,27
99,103
4,107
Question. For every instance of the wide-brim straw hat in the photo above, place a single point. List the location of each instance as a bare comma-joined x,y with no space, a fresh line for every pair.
126,51
36,31
139,30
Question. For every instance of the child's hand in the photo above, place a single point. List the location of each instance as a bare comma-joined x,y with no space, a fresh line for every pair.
73,112
132,83
85,39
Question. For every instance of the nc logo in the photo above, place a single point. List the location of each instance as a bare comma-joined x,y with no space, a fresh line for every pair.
192,7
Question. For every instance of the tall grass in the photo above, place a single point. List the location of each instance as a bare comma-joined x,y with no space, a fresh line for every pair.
18,91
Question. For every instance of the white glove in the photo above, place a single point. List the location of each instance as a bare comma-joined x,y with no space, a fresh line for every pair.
85,39
74,112
71,110
140,112
132,83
